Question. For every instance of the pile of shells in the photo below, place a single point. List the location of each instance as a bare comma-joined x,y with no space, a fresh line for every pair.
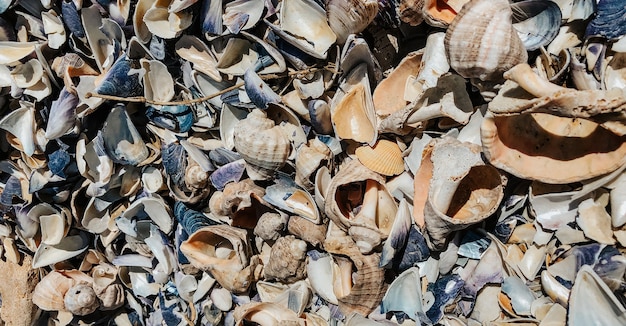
301,162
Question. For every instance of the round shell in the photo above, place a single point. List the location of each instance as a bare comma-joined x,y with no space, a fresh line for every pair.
385,157
81,299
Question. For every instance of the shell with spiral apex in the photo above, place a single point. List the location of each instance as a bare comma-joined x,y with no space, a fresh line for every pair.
262,144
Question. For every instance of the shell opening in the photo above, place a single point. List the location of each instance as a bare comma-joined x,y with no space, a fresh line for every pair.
477,192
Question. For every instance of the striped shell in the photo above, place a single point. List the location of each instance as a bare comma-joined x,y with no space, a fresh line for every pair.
385,157
262,145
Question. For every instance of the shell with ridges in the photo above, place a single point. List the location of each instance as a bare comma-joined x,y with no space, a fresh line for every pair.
262,145
481,41
385,157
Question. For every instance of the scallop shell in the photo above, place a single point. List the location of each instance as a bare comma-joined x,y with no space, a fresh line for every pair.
262,144
385,157
481,41
50,291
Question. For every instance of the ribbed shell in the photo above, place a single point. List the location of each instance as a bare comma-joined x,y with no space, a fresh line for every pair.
262,145
610,20
481,41
347,17
385,157
50,291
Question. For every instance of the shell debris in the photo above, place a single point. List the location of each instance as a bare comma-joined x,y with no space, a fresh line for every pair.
303,162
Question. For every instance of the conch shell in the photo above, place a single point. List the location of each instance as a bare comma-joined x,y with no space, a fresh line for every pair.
462,190
223,251
481,41
359,203
262,144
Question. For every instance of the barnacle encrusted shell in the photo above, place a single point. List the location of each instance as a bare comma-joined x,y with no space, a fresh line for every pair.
481,41
287,261
262,144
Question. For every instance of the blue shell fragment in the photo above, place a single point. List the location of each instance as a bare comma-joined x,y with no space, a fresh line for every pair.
609,22
445,290
119,81
191,220
57,161
178,118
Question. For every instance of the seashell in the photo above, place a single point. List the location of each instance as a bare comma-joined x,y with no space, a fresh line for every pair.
608,21
443,210
321,272
385,157
165,24
536,22
81,299
593,219
153,207
347,17
444,290
489,270
119,81
360,203
190,220
360,292
122,141
307,230
157,81
440,13
112,297
405,295
554,132
319,113
309,158
262,144
49,293
62,115
69,247
230,172
15,51
252,10
607,308
53,27
242,202
21,124
223,251
260,94
198,53
286,195
271,226
352,108
500,46
265,313
303,24
287,261
409,67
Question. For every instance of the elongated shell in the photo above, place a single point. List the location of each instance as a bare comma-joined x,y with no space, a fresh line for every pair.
481,41
262,145
347,17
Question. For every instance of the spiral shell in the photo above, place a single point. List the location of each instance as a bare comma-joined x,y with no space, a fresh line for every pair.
81,299
262,144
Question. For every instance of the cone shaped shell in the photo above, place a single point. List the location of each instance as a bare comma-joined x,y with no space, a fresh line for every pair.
385,157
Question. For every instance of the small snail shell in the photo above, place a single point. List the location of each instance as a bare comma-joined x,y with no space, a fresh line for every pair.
81,299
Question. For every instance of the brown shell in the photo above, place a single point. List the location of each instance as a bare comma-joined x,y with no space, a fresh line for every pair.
287,262
551,149
385,157
262,145
308,159
368,286
481,41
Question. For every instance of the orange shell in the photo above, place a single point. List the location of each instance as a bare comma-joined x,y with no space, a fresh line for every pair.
385,157
551,149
